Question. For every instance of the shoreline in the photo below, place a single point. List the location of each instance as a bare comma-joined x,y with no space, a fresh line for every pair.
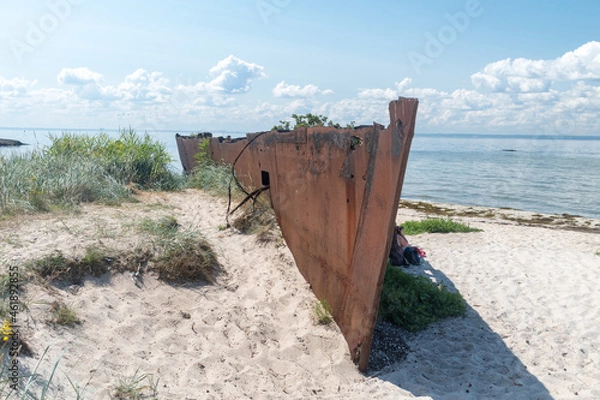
504,215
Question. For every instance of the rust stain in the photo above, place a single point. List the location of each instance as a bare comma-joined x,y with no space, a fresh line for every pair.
335,193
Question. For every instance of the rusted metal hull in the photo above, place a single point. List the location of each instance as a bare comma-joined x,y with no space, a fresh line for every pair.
335,194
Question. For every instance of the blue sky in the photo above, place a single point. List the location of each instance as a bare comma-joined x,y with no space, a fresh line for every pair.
476,65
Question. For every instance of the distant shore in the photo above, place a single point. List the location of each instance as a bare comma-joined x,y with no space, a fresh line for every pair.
10,143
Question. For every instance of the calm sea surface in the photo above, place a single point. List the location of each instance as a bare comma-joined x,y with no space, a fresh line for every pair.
547,174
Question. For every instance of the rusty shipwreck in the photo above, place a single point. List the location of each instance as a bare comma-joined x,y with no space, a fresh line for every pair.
335,195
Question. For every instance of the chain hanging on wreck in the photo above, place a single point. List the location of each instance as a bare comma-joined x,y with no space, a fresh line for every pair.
249,196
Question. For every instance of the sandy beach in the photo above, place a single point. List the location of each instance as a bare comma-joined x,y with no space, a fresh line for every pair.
532,284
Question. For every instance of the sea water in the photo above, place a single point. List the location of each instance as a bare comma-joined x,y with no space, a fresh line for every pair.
547,174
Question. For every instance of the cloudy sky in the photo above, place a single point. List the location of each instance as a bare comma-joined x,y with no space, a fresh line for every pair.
477,66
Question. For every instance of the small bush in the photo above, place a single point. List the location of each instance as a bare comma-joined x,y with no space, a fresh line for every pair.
413,302
436,225
308,120
180,256
94,261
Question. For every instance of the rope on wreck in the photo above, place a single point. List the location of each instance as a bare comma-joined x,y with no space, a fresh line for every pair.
254,195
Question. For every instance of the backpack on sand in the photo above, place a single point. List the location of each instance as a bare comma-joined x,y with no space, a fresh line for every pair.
412,255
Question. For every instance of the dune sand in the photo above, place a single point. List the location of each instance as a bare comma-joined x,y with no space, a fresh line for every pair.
531,331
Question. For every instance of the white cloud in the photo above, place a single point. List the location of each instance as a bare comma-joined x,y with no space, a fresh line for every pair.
284,90
142,85
519,96
15,86
524,75
386,94
233,75
78,76
378,94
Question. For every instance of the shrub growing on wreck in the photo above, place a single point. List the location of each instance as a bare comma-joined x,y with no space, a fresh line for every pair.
413,302
308,120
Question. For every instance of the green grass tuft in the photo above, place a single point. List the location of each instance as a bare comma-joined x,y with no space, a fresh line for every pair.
186,257
63,314
323,312
58,268
136,387
163,227
413,302
436,225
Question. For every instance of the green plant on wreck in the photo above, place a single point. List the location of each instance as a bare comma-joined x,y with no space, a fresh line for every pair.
307,121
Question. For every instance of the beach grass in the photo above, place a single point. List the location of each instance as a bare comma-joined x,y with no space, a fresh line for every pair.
40,182
130,159
135,387
258,218
57,268
180,256
78,169
208,176
186,257
63,314
212,178
162,227
436,225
